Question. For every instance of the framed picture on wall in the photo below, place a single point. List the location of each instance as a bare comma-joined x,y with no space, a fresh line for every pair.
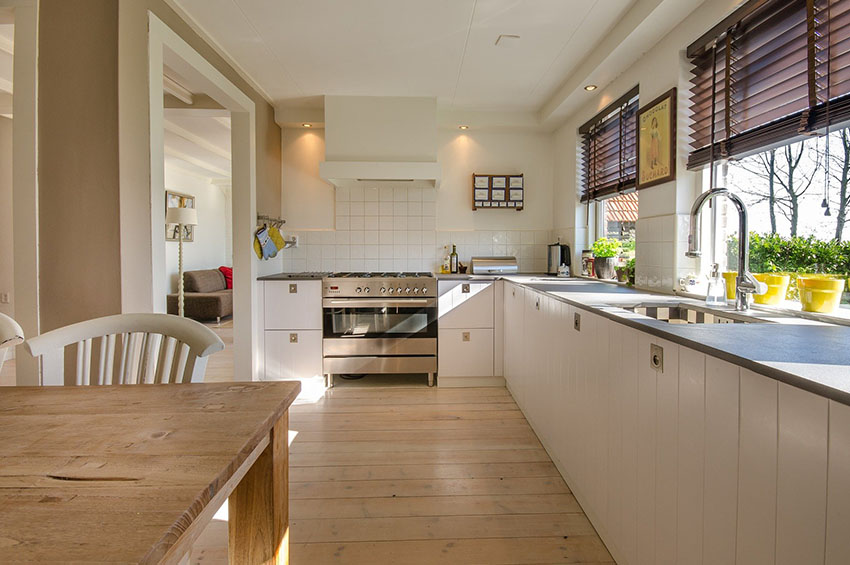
179,200
656,141
500,182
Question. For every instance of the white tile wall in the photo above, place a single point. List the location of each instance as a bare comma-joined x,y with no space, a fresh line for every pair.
394,229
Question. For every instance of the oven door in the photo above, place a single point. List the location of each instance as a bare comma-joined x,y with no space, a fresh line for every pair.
378,318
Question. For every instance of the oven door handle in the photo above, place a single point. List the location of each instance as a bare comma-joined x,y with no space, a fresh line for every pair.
379,302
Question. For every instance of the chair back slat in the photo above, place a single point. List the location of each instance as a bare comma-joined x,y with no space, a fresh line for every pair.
128,349
166,358
11,335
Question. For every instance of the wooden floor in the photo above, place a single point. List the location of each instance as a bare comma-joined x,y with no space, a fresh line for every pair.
417,475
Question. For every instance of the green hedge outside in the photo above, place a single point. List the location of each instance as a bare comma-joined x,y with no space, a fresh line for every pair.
772,253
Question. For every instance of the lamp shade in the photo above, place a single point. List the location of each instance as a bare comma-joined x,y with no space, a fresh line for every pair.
185,216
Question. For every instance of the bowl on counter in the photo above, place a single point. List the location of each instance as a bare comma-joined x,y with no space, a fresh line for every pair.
777,287
820,293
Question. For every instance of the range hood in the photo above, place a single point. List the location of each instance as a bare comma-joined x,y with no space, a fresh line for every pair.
380,140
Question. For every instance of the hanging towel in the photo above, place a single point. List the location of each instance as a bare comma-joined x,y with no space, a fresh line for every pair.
277,238
260,239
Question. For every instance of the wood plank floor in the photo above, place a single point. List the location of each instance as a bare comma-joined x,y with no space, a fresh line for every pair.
418,475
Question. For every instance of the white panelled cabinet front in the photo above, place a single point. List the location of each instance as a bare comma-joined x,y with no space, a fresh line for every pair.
695,460
466,329
292,329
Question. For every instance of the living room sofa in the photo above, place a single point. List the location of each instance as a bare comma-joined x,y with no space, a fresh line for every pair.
206,296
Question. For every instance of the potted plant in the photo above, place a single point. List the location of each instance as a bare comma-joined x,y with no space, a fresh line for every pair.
630,267
605,252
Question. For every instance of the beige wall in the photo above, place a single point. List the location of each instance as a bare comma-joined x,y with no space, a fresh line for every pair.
94,154
78,161
7,257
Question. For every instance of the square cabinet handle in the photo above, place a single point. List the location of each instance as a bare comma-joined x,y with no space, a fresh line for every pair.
293,338
465,336
293,288
464,288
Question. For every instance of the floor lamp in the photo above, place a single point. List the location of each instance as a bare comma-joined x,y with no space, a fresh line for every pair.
182,217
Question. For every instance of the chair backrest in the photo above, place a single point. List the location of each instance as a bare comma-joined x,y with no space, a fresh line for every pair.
11,335
127,349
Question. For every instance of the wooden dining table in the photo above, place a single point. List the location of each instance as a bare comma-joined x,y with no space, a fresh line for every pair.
133,473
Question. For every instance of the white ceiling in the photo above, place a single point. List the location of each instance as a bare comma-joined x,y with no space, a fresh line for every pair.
198,142
297,50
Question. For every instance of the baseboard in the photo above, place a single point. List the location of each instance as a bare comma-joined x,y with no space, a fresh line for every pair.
460,382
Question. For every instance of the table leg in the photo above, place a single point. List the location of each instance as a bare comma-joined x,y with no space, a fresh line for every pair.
258,511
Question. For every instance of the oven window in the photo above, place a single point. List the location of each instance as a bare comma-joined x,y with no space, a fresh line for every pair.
380,322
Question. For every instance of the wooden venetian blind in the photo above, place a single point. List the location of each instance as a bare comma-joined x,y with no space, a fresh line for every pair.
779,69
609,142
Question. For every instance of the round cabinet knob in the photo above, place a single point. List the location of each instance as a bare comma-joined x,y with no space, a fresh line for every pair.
367,290
358,290
383,290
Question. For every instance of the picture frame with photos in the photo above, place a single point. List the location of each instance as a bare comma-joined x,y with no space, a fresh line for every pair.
498,191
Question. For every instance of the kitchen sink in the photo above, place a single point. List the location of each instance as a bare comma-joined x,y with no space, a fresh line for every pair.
681,313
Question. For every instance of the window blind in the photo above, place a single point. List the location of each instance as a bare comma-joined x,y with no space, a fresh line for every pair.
609,142
780,70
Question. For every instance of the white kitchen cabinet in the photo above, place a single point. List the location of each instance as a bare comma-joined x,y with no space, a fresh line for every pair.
292,330
514,304
838,488
293,305
466,304
293,355
465,353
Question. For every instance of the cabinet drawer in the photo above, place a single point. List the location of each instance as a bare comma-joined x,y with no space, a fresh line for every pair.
466,304
293,354
293,305
465,352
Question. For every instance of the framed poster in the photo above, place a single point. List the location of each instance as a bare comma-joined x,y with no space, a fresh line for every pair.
515,195
500,182
498,191
482,181
482,194
179,200
515,182
498,194
656,141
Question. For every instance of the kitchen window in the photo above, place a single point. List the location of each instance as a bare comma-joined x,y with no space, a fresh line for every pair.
773,83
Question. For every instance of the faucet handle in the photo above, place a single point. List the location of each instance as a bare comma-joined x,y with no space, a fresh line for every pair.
747,283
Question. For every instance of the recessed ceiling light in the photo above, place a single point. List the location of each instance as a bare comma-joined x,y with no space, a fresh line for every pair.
307,125
463,127
590,87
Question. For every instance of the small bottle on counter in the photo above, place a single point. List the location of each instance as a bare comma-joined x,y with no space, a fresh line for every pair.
716,293
445,266
453,260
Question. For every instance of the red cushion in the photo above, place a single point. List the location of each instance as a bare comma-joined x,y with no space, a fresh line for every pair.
228,275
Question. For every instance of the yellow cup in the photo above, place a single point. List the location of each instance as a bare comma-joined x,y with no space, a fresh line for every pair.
731,277
820,293
777,286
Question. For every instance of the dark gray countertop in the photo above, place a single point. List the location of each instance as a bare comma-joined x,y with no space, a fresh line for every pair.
809,355
292,277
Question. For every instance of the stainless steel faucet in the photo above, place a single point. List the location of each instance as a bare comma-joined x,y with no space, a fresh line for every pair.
745,283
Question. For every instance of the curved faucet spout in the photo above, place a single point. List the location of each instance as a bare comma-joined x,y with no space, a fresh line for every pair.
746,284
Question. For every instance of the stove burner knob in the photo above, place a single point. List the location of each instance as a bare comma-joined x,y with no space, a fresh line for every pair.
424,289
358,290
367,289
407,290
391,290
398,290
383,290
416,290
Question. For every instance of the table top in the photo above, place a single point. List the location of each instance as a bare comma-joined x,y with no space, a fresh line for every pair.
118,473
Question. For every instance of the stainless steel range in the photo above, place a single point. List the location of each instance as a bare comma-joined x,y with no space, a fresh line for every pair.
379,323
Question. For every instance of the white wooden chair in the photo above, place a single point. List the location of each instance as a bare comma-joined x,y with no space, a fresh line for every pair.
11,335
127,349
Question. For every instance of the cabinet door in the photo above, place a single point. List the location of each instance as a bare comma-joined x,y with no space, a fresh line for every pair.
293,305
513,334
293,354
465,352
466,304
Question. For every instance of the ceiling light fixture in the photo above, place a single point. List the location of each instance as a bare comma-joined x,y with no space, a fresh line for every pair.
307,125
590,87
463,127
